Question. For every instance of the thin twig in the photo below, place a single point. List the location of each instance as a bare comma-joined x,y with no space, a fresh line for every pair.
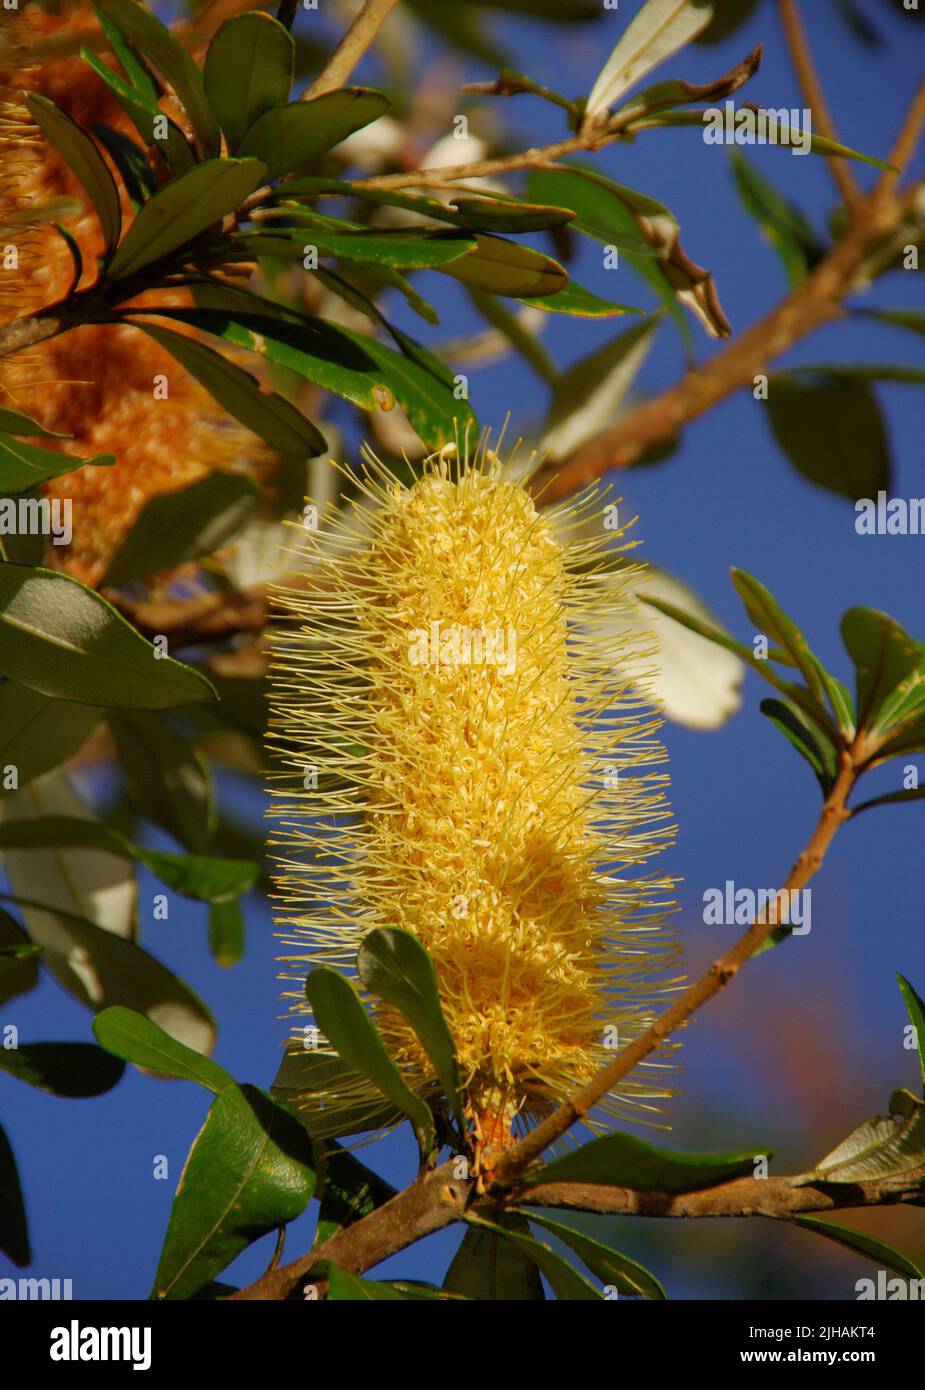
351,48
906,142
811,87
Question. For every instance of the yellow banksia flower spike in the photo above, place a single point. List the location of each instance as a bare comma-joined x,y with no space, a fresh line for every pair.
471,765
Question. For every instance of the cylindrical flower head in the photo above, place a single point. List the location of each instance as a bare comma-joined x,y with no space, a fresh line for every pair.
474,769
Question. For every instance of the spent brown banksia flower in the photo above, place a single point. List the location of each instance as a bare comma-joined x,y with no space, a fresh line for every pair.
470,765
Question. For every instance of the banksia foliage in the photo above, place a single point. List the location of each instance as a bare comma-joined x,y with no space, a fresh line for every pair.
100,384
472,767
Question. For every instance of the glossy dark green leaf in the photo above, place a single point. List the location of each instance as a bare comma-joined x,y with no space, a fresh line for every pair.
888,663
342,1018
184,208
147,118
14,1229
226,931
915,1006
60,638
158,46
405,249
600,211
576,300
832,431
38,733
80,153
882,1147
877,1250
135,1038
421,386
566,1282
784,224
621,1160
250,1170
313,349
167,781
130,160
806,738
508,268
488,1268
63,1069
19,959
351,1191
248,70
350,1288
269,415
182,525
289,136
393,965
607,1265
23,466
200,876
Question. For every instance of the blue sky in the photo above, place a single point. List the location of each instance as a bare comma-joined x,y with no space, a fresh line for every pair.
808,1042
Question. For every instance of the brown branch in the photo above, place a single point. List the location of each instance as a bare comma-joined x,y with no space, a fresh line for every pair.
811,87
351,48
906,142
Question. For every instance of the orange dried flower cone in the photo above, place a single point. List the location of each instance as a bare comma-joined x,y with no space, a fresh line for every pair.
482,779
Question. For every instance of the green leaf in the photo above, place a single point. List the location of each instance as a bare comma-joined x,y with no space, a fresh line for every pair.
769,618
605,1264
393,965
488,1267
270,416
912,794
183,209
179,526
342,1018
784,223
14,1229
166,780
344,1287
23,466
876,1250
509,215
785,136
248,70
38,733
306,1072
134,1038
135,70
63,1069
80,153
621,1160
510,83
508,268
143,111
882,1147
421,386
204,877
911,319
19,959
226,931
808,740
915,1007
62,639
249,1171
574,299
289,136
727,17
14,422
599,211
887,663
654,33
404,248
831,429
130,160
567,1284
351,1192
155,43
313,349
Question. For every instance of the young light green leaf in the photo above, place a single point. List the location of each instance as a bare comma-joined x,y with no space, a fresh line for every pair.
342,1018
158,46
175,527
134,1038
612,1268
183,209
249,1171
621,1160
80,153
64,640
289,136
248,70
887,662
659,29
395,966
269,415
